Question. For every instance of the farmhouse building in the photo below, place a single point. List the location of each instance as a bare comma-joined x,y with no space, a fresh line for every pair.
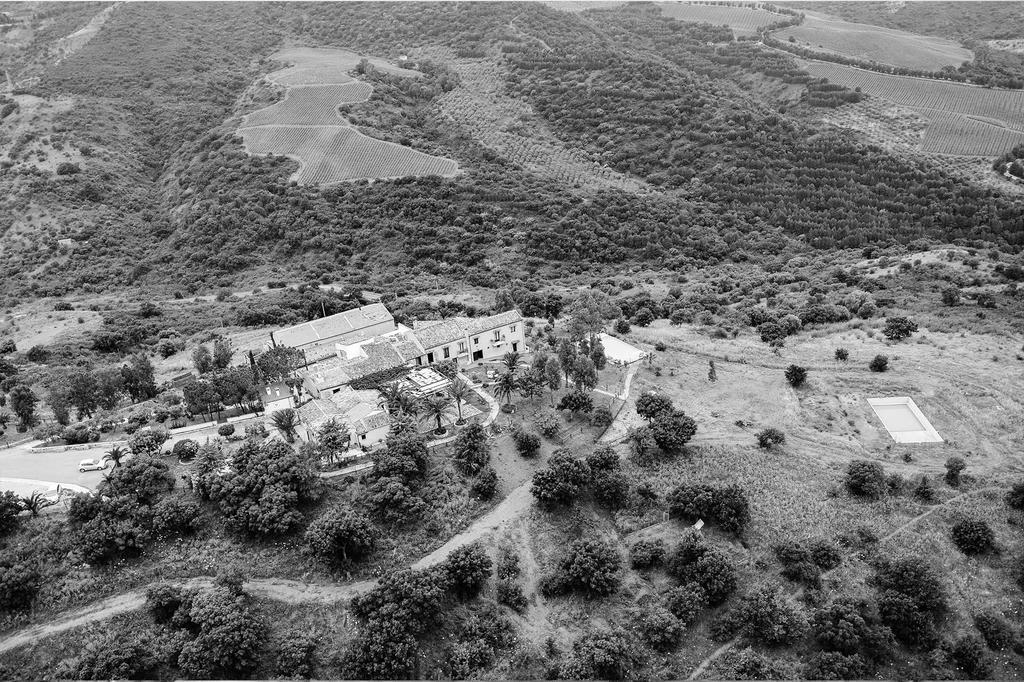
326,336
470,339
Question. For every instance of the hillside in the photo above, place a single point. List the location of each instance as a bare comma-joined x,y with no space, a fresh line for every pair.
195,212
511,340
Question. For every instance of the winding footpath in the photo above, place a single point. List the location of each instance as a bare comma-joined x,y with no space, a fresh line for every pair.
277,589
515,504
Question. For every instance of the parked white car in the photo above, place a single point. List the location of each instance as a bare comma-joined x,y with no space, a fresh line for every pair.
93,464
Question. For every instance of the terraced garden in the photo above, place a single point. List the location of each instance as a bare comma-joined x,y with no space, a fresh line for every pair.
307,127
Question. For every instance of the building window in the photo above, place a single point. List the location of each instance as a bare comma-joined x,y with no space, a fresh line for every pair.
447,353
362,436
476,340
419,360
512,329
497,335
462,346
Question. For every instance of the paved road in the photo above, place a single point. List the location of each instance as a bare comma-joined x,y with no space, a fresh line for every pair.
56,467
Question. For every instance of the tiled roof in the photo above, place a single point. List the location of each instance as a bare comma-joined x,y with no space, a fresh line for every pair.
316,412
379,356
372,421
330,372
331,326
477,325
432,334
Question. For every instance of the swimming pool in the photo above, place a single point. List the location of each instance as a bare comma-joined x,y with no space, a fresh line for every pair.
904,421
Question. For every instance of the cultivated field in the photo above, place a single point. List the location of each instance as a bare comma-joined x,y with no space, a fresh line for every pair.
742,20
967,136
874,43
307,127
311,105
963,120
337,153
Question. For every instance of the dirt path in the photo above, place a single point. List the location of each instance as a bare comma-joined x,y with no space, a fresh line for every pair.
506,513
277,589
725,648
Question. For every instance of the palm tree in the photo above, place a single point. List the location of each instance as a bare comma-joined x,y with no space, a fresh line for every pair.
398,398
459,391
436,407
505,387
115,455
287,422
511,361
36,502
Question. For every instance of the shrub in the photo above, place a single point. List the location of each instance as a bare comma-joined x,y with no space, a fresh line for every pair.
230,638
10,507
588,566
796,375
148,441
226,430
832,665
392,501
466,569
995,630
715,575
842,354
645,554
849,627
651,404
911,598
898,328
471,450
610,488
602,416
562,481
1015,498
621,326
341,536
770,437
865,479
766,616
973,536
672,430
510,593
954,466
67,168
925,491
548,423
880,363
726,507
296,657
605,655
485,485
174,516
527,443
686,603
970,657
164,601
658,628
185,450
20,580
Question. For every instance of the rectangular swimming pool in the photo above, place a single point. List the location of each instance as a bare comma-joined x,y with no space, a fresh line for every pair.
904,420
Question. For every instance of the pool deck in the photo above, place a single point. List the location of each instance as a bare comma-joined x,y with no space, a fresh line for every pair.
904,421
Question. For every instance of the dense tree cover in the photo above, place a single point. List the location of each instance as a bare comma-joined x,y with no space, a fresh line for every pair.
229,209
766,616
262,488
669,126
694,562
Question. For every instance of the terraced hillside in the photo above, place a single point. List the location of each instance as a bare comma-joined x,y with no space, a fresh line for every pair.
964,120
742,20
307,127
